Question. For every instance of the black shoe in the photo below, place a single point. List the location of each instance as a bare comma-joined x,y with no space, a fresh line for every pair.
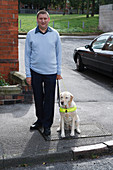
35,126
47,131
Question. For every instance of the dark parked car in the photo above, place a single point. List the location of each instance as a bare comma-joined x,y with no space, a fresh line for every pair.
98,55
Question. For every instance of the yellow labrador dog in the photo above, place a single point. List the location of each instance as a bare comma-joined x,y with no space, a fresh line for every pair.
69,118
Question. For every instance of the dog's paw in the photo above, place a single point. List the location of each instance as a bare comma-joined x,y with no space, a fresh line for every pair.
58,129
72,134
78,130
63,135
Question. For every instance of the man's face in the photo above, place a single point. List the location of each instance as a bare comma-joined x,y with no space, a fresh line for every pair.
43,21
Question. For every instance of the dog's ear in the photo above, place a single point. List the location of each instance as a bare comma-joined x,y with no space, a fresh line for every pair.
71,98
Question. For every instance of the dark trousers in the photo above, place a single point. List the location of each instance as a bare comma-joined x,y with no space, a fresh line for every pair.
44,96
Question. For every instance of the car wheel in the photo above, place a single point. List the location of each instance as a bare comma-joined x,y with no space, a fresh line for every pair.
79,64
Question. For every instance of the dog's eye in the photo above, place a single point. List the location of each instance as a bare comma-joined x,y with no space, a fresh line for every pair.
66,97
61,97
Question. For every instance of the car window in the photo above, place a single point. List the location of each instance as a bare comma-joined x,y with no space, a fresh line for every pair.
109,44
99,42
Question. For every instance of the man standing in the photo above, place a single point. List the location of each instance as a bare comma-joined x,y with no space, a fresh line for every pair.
43,67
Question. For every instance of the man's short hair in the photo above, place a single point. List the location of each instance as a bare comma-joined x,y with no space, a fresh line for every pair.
42,12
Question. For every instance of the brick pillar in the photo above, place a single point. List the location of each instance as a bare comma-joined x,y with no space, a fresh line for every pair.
8,37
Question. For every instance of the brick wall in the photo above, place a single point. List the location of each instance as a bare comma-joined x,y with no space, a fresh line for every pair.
106,17
8,37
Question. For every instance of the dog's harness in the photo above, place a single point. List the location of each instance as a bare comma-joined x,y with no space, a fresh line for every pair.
63,110
72,109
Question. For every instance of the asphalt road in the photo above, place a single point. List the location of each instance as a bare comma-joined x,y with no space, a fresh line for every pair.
68,45
103,163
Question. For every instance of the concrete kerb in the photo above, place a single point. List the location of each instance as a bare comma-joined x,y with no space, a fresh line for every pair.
82,152
90,151
38,159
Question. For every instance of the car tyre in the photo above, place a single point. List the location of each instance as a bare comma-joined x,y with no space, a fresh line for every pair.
79,64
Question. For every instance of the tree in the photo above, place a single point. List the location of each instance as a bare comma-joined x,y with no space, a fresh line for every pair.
37,3
87,14
75,4
29,2
79,5
93,8
61,3
64,6
44,4
82,6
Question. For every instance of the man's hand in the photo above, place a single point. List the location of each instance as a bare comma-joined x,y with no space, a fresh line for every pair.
59,77
28,80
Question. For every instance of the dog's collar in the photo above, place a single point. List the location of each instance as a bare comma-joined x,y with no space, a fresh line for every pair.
72,109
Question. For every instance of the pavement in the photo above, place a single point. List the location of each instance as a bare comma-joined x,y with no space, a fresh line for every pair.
20,146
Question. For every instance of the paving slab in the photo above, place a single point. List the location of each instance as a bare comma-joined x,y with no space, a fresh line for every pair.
87,131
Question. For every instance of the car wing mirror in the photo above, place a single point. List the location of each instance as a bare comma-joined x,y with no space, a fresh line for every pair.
89,47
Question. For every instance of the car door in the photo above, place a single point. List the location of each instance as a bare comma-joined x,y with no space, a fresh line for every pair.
104,55
99,56
90,56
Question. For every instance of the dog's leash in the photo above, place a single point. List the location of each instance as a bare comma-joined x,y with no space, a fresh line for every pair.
64,85
58,93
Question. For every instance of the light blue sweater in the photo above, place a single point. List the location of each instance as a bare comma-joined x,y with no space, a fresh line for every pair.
43,52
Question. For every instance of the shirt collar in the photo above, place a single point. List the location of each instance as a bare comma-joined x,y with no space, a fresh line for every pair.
38,30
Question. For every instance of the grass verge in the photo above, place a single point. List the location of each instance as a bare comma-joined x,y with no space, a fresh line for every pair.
62,23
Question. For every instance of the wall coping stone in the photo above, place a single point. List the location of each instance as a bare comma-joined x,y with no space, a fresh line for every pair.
18,77
12,89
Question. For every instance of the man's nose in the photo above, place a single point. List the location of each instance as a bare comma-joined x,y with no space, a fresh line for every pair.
42,20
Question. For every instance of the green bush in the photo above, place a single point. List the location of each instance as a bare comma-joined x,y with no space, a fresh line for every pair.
2,81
